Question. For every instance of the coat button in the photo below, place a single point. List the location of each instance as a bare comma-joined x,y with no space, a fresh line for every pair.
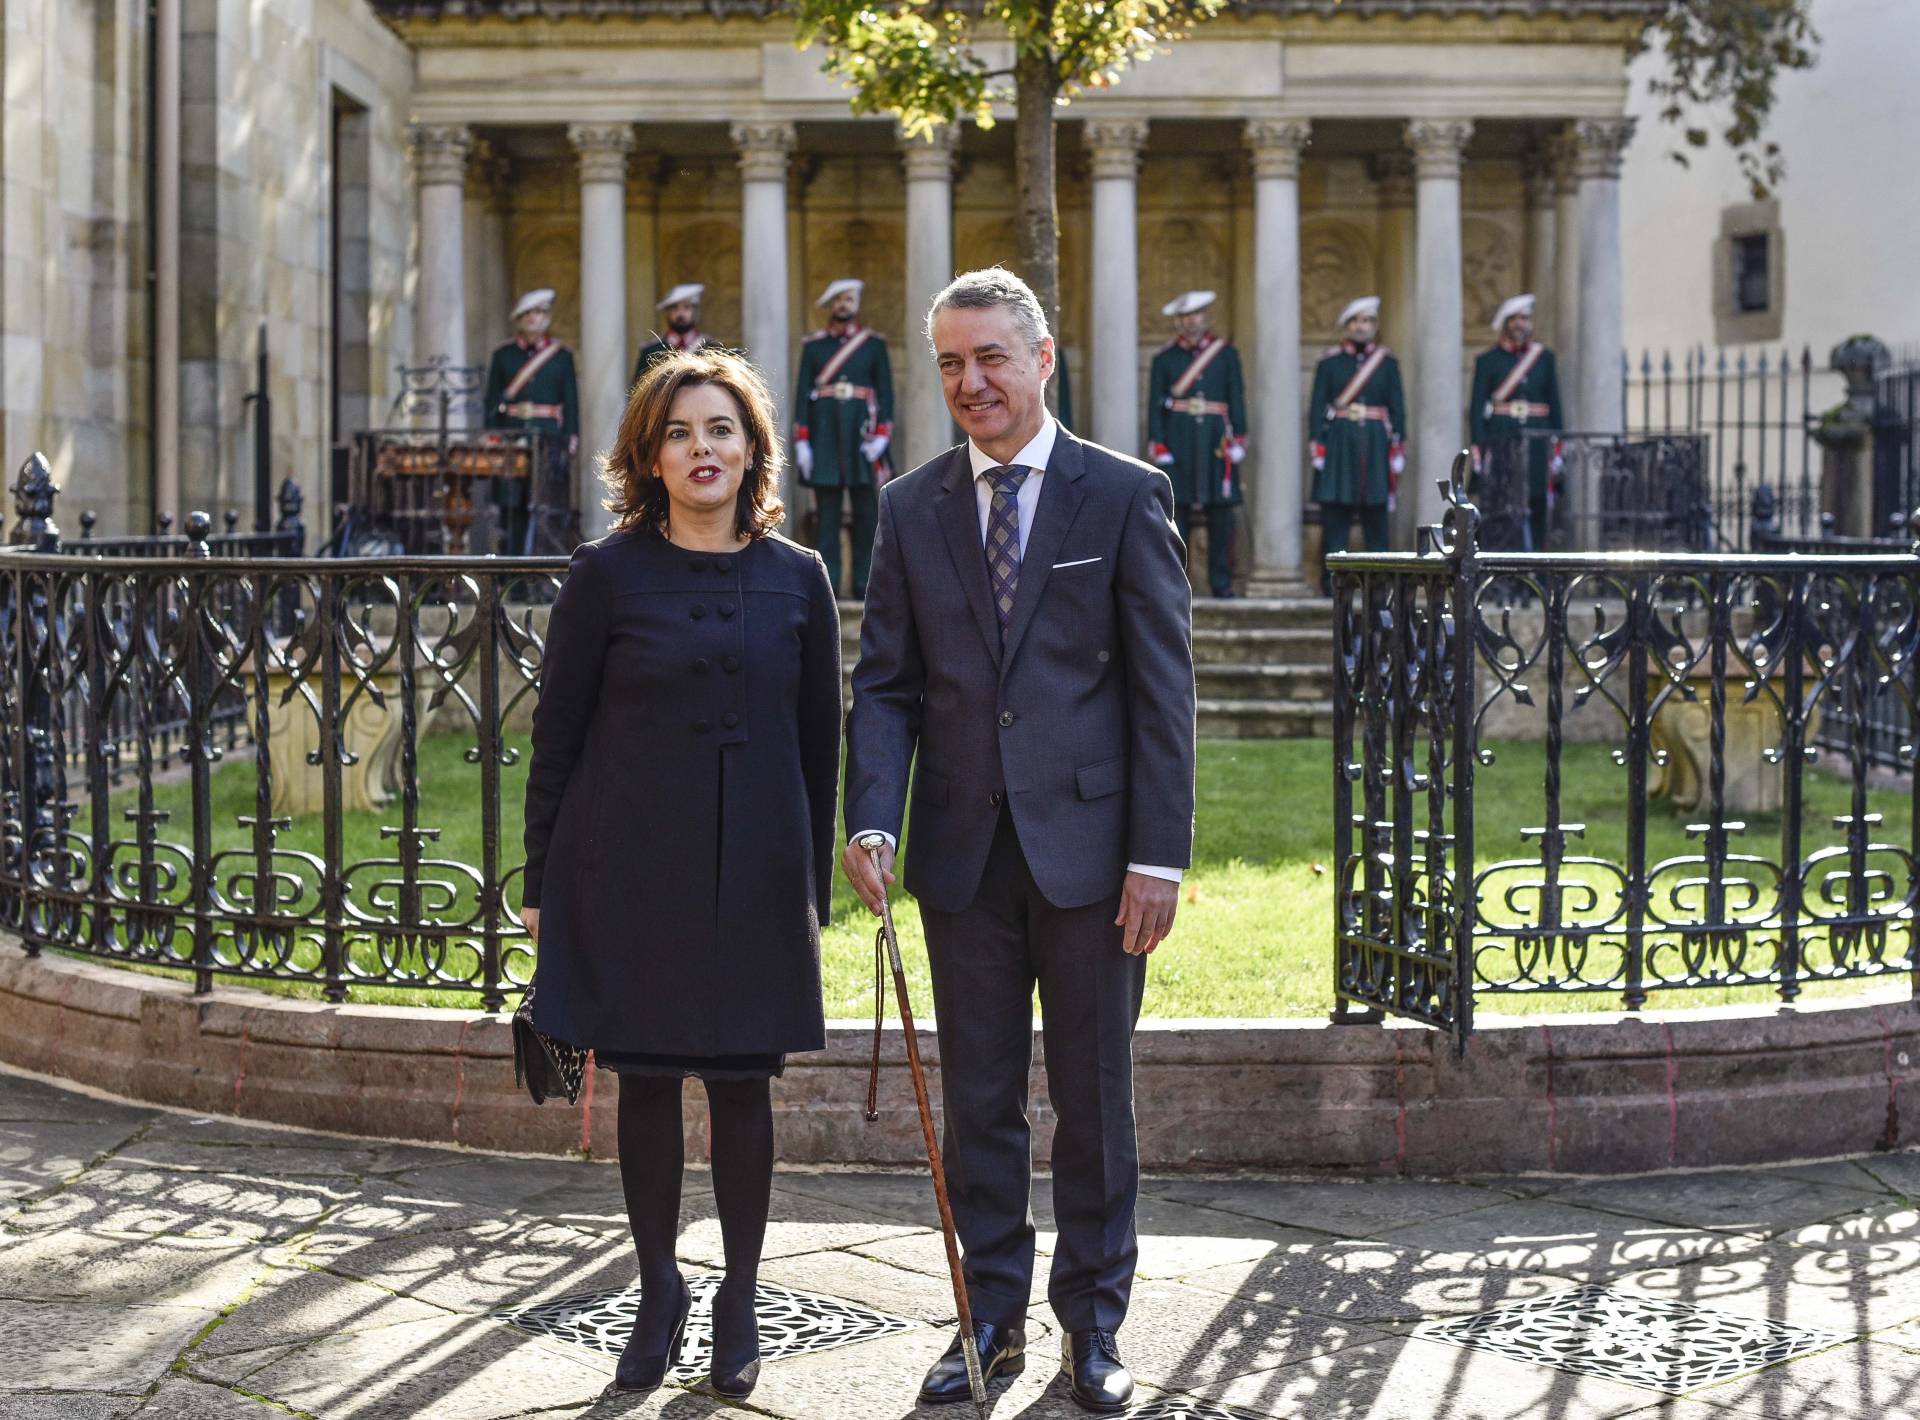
723,564
700,665
1006,718
726,609
994,798
732,663
700,727
699,564
1103,658
730,720
696,611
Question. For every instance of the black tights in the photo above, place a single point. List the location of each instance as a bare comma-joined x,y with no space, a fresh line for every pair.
650,1165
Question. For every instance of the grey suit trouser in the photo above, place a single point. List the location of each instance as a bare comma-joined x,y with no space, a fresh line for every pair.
986,961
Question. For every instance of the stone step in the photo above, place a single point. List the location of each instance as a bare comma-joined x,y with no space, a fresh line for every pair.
1265,719
1264,682
1263,645
1242,614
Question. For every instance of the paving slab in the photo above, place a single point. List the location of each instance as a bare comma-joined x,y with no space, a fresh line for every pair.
1374,1283
1749,1201
159,1271
142,1202
41,1153
1862,1288
797,1223
1351,1209
1899,1171
23,1098
67,1405
84,1346
327,1159
291,1304
1583,1244
495,1265
1839,1173
1862,1379
926,1253
1176,1238
183,1399
897,1291
1186,1337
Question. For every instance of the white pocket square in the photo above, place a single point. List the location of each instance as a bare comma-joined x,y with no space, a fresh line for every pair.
1083,562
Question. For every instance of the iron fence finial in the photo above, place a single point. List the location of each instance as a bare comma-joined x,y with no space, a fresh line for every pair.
199,525
1457,534
34,492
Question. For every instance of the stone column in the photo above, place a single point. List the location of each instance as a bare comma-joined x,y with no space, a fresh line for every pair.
765,145
1393,183
1276,435
440,168
925,425
1113,379
1564,333
485,231
1542,248
1599,143
1438,146
603,149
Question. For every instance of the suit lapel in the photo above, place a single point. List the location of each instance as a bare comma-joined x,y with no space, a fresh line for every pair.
958,513
1061,494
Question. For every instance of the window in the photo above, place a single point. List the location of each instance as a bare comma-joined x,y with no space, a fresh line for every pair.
1752,287
1749,274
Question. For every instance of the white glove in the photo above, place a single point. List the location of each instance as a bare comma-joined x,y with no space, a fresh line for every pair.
1162,455
871,449
803,456
1398,462
1319,457
1236,451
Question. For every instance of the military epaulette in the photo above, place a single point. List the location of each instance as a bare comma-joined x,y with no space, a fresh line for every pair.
813,335
1168,346
1333,350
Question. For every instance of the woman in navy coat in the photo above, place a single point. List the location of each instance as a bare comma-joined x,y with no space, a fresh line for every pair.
680,821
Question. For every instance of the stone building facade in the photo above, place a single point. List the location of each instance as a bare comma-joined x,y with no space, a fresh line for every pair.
385,195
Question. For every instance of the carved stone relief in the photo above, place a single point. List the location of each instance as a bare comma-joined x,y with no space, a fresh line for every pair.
1184,253
544,250
1490,271
707,250
846,244
1336,264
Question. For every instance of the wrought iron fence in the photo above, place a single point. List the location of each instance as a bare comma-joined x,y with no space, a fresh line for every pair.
299,840
1600,492
1702,676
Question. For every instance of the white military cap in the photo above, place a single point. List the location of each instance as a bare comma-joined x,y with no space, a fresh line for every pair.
533,299
1187,302
1362,306
1512,306
685,291
845,283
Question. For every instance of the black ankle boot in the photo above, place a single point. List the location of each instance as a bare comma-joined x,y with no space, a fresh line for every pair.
736,1346
645,1369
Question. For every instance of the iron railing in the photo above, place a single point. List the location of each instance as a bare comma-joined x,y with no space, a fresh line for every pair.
1604,492
1706,675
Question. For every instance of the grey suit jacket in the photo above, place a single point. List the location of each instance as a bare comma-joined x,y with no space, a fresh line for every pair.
1083,723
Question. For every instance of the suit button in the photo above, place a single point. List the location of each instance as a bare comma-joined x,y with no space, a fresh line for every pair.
994,798
1006,718
730,720
700,666
700,727
732,663
726,609
723,564
696,611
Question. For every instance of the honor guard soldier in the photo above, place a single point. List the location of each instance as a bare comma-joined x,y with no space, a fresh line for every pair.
1357,420
1197,428
842,424
681,307
1516,390
531,384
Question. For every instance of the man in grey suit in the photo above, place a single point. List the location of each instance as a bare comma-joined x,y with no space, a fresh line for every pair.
1028,632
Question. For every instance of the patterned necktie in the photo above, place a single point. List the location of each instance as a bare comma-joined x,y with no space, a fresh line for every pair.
1003,540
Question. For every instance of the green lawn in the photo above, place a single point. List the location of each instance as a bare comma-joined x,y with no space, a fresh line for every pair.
1253,937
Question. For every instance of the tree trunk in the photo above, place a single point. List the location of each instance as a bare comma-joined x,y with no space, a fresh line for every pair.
1037,226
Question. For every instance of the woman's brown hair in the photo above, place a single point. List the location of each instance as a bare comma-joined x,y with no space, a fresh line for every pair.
639,500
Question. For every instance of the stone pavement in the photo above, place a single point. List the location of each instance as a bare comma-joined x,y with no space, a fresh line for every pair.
171,1266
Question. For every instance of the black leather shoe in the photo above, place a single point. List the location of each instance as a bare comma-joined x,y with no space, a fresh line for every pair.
1091,1361
1003,1352
735,1369
643,1371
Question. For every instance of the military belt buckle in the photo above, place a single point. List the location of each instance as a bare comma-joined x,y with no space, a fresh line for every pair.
842,389
1197,406
1520,409
1355,412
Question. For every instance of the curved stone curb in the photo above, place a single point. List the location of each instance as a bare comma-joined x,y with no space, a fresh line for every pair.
1577,1094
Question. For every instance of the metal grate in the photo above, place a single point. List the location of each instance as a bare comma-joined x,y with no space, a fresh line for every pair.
1672,1347
791,1323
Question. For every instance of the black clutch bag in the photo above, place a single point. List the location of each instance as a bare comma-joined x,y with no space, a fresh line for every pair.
544,1064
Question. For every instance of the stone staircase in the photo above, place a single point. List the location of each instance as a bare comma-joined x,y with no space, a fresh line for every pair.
1264,668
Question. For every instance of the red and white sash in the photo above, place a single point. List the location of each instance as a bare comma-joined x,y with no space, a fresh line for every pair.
529,370
1203,356
830,372
1369,367
1503,392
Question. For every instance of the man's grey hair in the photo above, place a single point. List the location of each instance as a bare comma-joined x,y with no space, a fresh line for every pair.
989,287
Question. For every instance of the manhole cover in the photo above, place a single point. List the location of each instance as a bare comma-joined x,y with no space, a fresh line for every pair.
791,1323
1645,1341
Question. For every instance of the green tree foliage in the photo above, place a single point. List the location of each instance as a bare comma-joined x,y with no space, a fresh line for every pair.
928,64
1727,55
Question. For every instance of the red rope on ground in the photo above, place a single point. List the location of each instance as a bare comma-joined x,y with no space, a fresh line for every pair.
240,1076
1673,1102
1553,1107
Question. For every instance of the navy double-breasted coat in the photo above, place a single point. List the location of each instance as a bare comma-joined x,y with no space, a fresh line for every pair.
680,824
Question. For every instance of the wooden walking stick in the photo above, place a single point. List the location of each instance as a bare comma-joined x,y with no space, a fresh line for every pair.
976,1381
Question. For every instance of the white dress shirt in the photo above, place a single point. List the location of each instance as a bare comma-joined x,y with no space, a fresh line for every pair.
1034,459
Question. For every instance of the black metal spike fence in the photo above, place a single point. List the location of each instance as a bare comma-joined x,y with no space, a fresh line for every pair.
160,708
1704,678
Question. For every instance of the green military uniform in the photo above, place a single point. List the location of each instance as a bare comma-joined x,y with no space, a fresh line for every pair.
1196,431
844,396
1501,410
1356,421
549,401
664,345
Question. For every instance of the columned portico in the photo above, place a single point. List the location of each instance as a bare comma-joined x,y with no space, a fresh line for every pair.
1537,177
1114,146
1392,175
927,428
1438,147
603,149
440,153
764,147
1599,144
1564,331
1277,442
